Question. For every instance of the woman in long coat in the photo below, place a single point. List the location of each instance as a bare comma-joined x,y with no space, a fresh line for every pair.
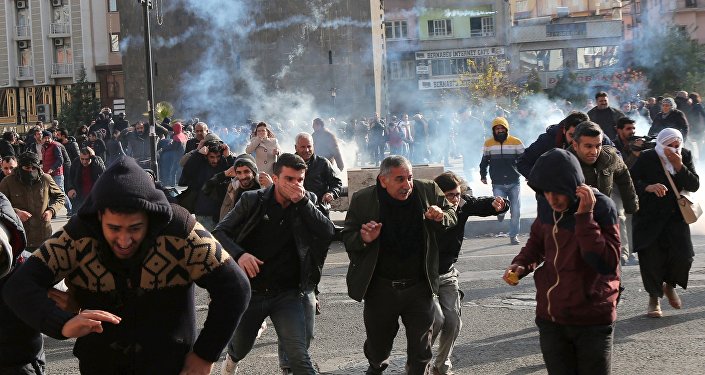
265,147
661,236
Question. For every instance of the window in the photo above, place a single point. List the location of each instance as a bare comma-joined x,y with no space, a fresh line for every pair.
542,60
64,54
451,67
482,26
114,42
396,30
597,57
438,28
112,6
400,70
4,103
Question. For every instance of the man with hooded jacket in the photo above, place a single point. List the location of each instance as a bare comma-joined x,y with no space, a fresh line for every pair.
130,260
576,239
500,154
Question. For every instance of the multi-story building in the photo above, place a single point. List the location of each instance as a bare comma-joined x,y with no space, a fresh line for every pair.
689,15
273,61
434,47
584,37
46,45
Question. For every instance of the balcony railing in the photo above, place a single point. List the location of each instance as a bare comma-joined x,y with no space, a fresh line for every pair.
59,29
62,69
23,31
25,72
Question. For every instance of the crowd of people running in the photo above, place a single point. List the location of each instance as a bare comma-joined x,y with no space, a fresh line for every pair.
253,228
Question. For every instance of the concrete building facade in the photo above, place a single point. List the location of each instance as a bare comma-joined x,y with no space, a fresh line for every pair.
689,15
434,47
46,44
279,61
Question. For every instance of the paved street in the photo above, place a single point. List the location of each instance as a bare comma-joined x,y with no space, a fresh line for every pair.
498,336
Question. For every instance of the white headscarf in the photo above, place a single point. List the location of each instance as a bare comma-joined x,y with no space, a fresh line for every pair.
663,139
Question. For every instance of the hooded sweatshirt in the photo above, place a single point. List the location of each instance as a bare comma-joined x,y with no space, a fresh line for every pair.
153,291
578,282
501,157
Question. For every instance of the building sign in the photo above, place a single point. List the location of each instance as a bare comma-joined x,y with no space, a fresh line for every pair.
460,53
441,83
422,69
592,77
566,29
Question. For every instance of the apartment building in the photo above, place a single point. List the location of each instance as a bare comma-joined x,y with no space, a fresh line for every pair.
689,15
46,43
433,47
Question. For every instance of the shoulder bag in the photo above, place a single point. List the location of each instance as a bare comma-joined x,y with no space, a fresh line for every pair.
690,209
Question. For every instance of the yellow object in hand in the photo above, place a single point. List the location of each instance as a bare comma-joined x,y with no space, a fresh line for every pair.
512,278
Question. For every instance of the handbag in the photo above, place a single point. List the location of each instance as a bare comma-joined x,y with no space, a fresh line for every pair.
690,209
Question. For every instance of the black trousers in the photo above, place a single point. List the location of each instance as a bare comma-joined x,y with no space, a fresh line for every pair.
384,305
569,349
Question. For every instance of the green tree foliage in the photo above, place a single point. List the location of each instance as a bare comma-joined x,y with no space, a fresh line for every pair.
83,105
669,57
533,82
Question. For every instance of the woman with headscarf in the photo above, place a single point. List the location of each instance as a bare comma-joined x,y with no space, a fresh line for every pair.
265,147
661,236
670,117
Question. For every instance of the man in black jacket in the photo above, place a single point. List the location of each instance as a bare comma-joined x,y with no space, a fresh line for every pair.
277,235
198,170
321,179
447,322
604,115
131,260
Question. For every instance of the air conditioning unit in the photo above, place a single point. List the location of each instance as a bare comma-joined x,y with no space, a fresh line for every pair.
44,112
59,42
23,44
21,4
57,3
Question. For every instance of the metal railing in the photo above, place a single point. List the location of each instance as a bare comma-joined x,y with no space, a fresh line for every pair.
23,31
62,69
60,28
25,71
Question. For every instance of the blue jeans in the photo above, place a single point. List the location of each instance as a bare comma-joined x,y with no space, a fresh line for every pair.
309,302
60,181
286,310
447,321
511,192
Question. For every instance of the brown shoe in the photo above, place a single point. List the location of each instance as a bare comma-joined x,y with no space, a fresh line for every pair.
654,310
673,299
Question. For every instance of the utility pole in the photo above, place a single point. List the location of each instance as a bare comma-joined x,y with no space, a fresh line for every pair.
146,6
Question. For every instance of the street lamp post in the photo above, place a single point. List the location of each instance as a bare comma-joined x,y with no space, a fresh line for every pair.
146,6
333,94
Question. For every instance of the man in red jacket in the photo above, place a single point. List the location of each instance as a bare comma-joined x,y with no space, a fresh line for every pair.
576,237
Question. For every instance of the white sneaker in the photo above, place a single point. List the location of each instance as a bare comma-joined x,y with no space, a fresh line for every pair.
262,329
229,367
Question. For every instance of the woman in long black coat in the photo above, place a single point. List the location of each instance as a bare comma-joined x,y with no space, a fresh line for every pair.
661,236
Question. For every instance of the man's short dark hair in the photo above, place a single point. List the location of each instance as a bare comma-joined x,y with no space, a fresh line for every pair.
573,119
63,132
214,146
319,121
622,122
587,129
447,181
93,133
9,158
86,151
8,136
289,160
392,161
600,94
